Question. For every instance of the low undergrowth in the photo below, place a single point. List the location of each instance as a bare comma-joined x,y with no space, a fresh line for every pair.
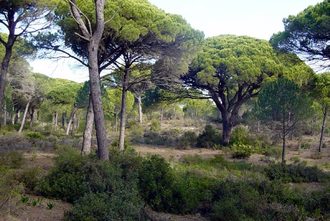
215,188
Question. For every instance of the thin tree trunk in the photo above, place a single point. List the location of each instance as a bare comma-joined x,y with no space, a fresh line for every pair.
55,120
93,66
31,118
325,112
13,118
64,120
123,110
116,122
95,88
24,117
74,110
87,138
5,65
17,117
139,99
283,138
4,114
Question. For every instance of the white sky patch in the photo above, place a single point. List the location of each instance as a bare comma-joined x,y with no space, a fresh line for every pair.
61,68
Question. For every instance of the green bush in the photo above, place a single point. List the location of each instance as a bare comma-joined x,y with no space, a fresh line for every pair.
122,204
188,139
136,133
164,138
240,135
318,204
155,125
156,183
31,177
34,135
193,192
12,159
241,151
208,138
294,173
93,185
235,201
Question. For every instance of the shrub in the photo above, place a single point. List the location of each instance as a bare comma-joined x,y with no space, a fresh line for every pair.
318,204
208,138
294,173
93,185
12,159
156,183
121,205
155,125
188,139
73,176
235,201
136,133
168,138
31,177
240,135
241,151
193,192
34,135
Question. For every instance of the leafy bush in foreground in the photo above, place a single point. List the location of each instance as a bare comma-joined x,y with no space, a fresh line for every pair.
89,183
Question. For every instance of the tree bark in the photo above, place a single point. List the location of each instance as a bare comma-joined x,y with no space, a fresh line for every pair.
55,120
64,120
32,117
74,110
87,137
4,114
95,86
139,99
283,138
24,117
325,112
123,110
226,129
8,53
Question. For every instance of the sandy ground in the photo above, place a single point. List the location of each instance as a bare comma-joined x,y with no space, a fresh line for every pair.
175,154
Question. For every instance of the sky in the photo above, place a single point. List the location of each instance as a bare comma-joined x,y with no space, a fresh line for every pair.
255,18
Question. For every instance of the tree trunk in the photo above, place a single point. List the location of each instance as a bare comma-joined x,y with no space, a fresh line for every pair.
116,122
31,118
74,110
55,119
17,117
284,132
95,88
123,110
4,113
87,138
13,116
226,130
139,99
5,66
325,112
64,120
94,39
24,117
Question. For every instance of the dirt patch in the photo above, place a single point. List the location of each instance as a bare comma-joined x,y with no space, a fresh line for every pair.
175,154
44,160
156,216
44,210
